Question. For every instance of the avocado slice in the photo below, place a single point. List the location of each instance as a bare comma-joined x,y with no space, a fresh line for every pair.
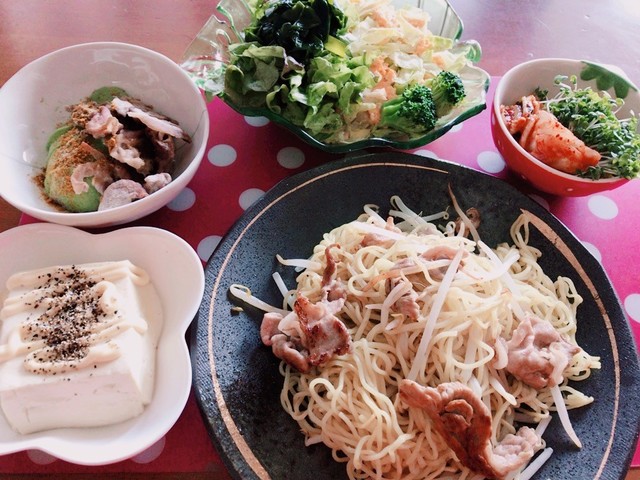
104,95
64,156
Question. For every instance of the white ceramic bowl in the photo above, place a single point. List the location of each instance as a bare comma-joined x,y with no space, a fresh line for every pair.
33,103
522,80
179,281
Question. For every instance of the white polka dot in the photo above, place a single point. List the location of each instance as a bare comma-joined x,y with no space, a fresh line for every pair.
423,152
290,157
632,305
151,453
491,162
222,155
248,197
603,207
207,245
456,128
184,201
257,121
40,458
593,250
542,201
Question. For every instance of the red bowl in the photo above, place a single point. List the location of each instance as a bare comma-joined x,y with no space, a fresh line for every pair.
516,83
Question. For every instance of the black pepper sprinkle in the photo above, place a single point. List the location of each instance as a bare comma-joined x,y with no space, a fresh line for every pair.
71,312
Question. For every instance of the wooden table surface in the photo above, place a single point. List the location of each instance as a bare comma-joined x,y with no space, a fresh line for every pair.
509,32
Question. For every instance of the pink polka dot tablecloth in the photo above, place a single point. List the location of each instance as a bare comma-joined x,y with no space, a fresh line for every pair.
247,156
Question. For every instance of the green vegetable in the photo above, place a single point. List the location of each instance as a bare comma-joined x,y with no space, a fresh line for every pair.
591,116
65,155
336,46
255,71
53,138
414,111
319,98
106,94
541,93
301,27
448,91
296,61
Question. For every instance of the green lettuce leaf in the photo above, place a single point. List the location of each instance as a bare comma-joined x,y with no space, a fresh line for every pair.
254,72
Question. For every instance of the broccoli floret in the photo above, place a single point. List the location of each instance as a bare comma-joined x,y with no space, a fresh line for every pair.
412,112
448,91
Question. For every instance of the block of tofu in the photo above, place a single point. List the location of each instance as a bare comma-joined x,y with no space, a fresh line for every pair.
78,346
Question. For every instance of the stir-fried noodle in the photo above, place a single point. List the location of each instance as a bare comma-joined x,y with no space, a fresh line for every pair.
467,297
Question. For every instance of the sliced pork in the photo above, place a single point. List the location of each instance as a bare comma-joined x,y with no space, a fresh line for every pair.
121,192
376,239
102,123
325,334
407,305
153,183
125,147
165,150
537,354
150,119
379,239
100,175
464,422
269,327
285,347
334,289
309,336
439,253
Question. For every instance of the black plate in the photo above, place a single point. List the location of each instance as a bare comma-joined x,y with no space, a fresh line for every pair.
236,378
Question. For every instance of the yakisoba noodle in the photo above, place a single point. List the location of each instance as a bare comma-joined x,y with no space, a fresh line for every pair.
351,403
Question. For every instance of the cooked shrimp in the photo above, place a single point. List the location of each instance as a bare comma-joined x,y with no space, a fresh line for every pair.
383,17
419,22
422,45
439,60
386,76
372,99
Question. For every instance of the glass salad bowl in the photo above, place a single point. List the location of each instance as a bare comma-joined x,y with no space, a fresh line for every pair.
212,57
